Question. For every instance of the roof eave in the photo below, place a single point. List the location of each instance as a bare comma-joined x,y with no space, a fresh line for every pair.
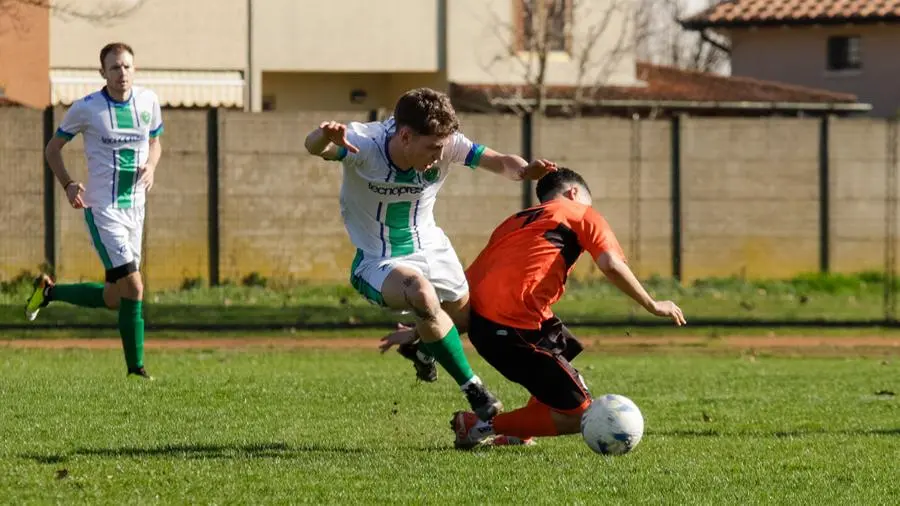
702,24
698,104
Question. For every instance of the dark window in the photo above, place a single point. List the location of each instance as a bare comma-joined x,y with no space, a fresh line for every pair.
844,53
555,15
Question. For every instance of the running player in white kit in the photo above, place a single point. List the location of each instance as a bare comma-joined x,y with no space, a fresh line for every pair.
120,125
392,172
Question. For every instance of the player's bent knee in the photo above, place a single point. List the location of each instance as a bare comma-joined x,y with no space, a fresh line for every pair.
111,296
127,280
422,297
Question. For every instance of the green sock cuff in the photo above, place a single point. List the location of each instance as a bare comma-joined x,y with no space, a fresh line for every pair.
449,353
131,306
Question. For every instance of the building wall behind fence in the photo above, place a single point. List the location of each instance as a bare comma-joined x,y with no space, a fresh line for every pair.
626,163
750,192
749,195
22,205
473,202
176,246
859,170
279,206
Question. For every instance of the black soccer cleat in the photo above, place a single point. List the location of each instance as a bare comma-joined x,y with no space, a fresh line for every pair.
426,369
139,373
483,403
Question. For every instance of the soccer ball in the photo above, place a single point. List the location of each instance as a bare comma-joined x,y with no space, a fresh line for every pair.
612,425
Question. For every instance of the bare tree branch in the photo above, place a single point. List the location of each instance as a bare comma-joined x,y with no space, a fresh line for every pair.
598,37
666,42
101,13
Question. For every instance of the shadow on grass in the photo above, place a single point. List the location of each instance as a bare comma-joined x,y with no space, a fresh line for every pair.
324,317
713,433
212,451
210,317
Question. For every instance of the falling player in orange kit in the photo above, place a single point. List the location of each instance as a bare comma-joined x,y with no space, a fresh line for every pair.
513,283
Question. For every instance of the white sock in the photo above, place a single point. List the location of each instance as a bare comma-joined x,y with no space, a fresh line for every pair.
485,429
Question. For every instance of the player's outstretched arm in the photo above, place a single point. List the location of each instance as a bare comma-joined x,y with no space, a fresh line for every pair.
329,141
617,271
74,190
514,167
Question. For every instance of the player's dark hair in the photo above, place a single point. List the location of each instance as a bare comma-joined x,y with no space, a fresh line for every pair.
555,183
426,112
113,47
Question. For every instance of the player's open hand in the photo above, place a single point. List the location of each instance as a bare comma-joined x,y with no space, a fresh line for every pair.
668,309
337,134
402,335
538,169
145,176
75,194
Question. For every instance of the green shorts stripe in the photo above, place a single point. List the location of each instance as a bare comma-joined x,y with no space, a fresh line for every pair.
361,285
95,238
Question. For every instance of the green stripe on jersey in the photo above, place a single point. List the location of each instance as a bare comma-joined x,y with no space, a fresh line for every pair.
405,176
126,177
124,118
397,218
399,232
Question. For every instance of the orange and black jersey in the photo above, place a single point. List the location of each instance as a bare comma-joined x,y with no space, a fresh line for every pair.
523,269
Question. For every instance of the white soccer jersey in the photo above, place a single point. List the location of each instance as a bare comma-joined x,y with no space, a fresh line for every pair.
388,212
116,143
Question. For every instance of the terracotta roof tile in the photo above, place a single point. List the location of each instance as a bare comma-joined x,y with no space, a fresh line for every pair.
779,12
672,84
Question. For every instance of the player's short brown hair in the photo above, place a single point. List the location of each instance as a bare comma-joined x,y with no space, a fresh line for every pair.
554,183
426,112
114,47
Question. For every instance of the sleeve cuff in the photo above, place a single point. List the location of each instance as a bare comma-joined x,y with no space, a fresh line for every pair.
474,156
65,135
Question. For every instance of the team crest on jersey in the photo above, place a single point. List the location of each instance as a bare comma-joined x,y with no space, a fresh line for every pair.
145,116
432,174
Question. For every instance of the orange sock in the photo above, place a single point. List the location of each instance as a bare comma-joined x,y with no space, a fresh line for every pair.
531,421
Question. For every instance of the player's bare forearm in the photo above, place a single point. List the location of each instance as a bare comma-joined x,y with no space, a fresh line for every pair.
618,273
53,153
317,143
155,152
509,166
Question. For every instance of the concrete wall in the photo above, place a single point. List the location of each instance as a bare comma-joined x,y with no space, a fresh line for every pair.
750,195
165,34
346,35
280,204
750,190
859,182
22,208
626,164
309,91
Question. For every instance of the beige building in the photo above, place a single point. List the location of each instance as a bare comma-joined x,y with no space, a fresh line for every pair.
847,46
340,54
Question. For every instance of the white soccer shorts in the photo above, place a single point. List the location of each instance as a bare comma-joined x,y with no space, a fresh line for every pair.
440,266
116,234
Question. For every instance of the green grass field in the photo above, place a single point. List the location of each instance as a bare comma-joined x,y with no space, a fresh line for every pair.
353,427
810,298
